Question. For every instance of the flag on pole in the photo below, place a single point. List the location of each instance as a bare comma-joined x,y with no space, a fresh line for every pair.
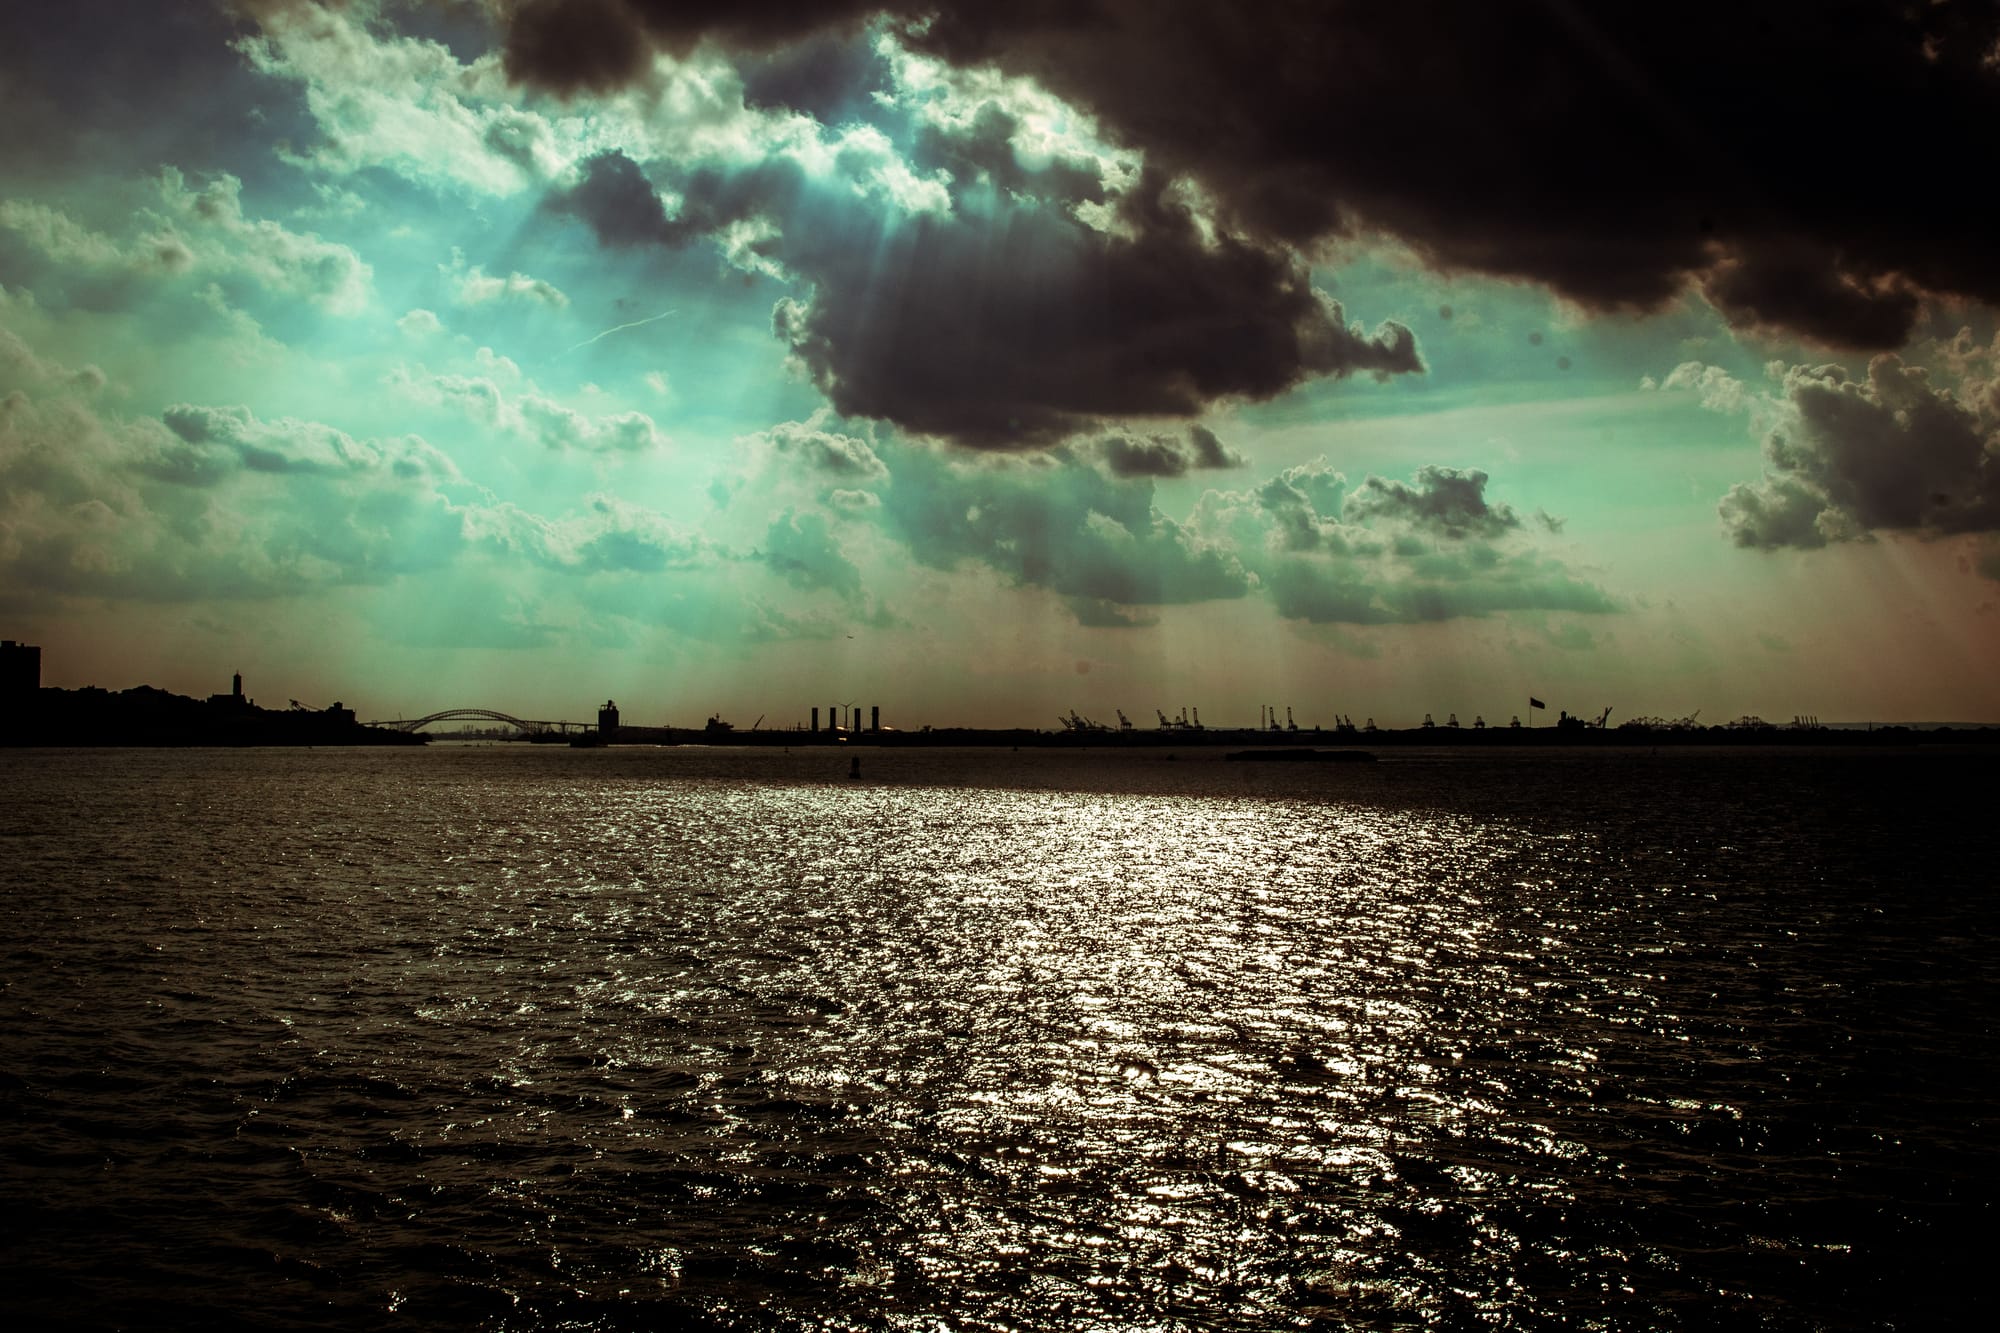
1533,702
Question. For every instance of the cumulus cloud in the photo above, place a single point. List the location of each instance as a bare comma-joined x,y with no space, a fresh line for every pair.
290,446
801,549
1888,453
1445,501
475,286
405,103
210,502
1063,522
985,147
421,323
199,230
1128,455
1052,522
844,458
1389,552
1788,234
1715,388
608,536
216,501
528,414
298,264
21,366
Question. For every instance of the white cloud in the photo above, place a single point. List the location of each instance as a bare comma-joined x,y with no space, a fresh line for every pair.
200,231
408,105
528,414
421,323
1715,388
475,286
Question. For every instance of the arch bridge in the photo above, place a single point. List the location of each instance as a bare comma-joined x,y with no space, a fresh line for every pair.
531,726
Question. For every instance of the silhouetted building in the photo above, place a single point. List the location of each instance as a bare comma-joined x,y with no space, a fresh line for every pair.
20,669
233,700
875,718
607,721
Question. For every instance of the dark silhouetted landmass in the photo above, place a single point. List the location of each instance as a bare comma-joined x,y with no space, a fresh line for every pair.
148,716
1306,740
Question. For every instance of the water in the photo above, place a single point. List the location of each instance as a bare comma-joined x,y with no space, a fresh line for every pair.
522,1038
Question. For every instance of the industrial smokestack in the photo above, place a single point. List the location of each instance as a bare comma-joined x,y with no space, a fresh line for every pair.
875,718
815,721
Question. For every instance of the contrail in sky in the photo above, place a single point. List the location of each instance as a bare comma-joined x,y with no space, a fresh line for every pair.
620,328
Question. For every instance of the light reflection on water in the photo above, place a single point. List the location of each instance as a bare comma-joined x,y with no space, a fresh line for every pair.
537,1040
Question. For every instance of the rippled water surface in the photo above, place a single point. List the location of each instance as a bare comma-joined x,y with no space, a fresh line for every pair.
521,1038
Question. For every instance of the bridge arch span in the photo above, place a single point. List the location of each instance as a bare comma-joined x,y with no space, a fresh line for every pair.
471,715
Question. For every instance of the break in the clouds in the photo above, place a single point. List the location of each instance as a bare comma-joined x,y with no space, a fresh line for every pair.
1620,155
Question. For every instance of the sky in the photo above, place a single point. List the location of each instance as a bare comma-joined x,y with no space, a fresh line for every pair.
988,362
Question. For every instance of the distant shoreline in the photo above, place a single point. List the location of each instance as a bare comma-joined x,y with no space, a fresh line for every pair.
145,717
152,718
1493,738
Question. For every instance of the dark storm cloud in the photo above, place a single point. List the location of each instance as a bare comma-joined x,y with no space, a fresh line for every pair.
622,206
1029,327
1886,454
1445,501
1142,456
1164,456
1012,331
1806,163
1210,452
570,46
1788,286
619,204
827,76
